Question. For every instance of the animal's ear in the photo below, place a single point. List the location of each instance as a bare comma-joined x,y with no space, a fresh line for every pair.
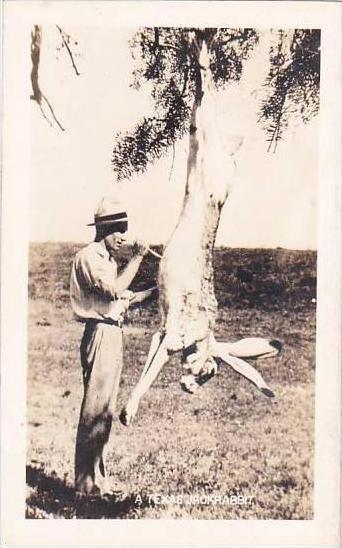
233,144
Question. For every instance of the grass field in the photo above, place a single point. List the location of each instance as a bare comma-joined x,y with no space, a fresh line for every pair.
228,439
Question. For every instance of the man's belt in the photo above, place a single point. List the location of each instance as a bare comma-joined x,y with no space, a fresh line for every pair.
137,297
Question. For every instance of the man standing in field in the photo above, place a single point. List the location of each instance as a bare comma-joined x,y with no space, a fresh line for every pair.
100,297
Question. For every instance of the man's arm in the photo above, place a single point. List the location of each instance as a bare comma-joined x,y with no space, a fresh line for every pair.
126,276
97,275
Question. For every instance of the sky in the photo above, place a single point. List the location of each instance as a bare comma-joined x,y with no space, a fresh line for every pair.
273,200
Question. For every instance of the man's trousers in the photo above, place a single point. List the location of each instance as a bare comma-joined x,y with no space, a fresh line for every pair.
101,359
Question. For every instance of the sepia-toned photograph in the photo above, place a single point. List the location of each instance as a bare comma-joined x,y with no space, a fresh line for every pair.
172,352
170,288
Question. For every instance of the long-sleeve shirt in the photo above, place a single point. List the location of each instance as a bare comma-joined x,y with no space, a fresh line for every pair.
92,285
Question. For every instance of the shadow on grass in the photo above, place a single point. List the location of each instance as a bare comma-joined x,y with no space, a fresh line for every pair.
54,497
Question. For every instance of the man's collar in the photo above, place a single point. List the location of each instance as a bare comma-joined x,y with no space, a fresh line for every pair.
101,249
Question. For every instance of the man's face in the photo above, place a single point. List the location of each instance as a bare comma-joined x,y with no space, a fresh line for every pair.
116,239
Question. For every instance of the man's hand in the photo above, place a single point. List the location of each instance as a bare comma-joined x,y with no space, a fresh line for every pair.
140,296
139,248
127,295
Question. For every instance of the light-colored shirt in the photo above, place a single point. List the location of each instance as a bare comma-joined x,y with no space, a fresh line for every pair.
92,285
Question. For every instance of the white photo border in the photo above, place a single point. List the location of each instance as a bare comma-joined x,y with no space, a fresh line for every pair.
19,17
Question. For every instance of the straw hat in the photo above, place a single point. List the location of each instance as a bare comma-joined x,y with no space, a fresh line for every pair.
108,212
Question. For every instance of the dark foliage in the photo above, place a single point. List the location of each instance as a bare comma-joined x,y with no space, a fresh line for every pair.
168,59
230,49
292,83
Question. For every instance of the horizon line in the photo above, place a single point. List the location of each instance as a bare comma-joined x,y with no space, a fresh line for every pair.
224,246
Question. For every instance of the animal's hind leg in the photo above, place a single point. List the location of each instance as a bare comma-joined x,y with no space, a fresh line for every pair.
155,343
219,350
157,357
252,347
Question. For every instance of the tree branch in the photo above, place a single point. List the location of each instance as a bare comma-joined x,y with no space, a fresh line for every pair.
173,160
36,39
186,78
52,112
65,39
37,95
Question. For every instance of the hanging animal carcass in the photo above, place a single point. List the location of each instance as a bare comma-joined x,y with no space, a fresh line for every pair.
187,301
